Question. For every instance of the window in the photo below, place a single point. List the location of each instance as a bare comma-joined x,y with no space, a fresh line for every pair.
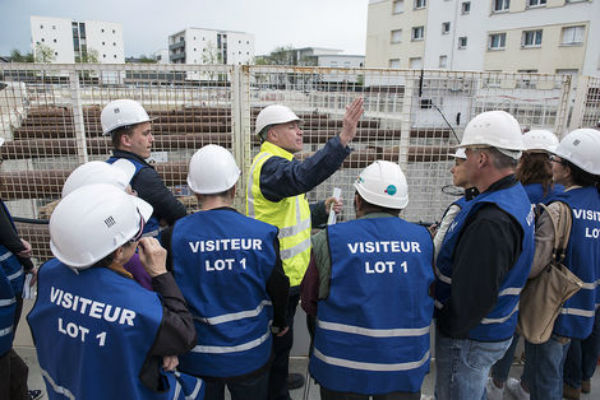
420,4
445,28
535,3
500,5
415,63
43,40
103,55
573,35
54,40
443,62
395,63
102,30
465,7
398,7
114,44
532,38
113,31
41,26
115,56
397,36
497,41
103,43
56,53
418,32
54,27
462,42
195,49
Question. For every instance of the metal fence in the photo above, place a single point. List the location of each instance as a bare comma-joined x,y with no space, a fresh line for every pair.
49,115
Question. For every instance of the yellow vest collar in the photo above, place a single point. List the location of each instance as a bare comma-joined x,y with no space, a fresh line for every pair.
268,147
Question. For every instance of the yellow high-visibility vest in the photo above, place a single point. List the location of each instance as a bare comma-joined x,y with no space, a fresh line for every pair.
291,215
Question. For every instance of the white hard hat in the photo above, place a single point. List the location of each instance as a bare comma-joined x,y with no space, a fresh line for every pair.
93,221
212,170
119,113
383,183
496,129
118,174
540,140
581,147
272,115
459,153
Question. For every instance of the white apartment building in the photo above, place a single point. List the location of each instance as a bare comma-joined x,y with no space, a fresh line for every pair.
537,36
72,41
210,46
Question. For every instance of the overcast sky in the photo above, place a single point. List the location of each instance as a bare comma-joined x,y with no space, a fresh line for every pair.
339,24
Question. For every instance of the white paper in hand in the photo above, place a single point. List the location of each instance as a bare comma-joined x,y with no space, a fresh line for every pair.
337,193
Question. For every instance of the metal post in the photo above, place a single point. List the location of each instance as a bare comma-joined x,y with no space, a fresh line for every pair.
406,124
80,139
579,106
562,113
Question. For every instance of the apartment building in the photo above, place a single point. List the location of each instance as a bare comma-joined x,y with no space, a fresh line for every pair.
210,46
537,36
70,41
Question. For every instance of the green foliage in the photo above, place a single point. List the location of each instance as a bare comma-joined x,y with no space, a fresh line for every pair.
17,56
44,54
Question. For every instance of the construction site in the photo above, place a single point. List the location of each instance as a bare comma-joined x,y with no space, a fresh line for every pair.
50,119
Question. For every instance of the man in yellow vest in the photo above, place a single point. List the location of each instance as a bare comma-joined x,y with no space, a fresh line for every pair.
277,184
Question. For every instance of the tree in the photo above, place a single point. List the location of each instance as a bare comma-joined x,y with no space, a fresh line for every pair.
90,57
211,54
147,60
17,56
280,56
44,54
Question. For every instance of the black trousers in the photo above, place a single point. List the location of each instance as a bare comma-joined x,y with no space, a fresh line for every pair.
282,345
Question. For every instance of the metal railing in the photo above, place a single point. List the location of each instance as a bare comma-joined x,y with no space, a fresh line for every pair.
49,115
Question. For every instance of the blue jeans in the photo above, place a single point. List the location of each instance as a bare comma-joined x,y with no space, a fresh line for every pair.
254,388
501,369
582,357
543,372
463,365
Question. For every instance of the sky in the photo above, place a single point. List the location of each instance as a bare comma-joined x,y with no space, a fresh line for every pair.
337,24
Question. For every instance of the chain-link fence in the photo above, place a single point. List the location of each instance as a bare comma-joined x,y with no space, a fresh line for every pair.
50,117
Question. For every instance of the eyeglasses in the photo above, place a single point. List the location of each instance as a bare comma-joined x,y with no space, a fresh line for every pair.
558,160
138,235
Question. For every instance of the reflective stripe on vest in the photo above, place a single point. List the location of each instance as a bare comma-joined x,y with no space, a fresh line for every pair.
235,316
341,362
6,255
57,388
6,331
291,215
234,349
377,333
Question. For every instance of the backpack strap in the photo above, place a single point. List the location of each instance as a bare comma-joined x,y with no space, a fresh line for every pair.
561,224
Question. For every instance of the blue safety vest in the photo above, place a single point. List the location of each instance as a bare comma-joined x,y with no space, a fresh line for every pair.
11,266
500,323
8,304
222,261
535,192
152,227
372,332
576,317
93,331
